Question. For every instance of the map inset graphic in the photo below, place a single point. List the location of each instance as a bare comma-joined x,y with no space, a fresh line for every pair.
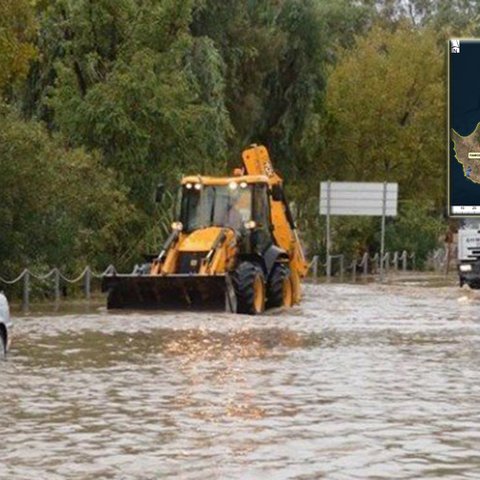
464,127
467,152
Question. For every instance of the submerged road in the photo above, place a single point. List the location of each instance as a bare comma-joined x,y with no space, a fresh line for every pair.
359,382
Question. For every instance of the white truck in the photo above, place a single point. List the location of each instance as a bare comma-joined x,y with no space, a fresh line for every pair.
469,253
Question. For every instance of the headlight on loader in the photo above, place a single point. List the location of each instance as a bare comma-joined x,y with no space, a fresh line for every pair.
177,226
466,268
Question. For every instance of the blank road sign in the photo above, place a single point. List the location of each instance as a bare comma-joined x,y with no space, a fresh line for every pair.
358,198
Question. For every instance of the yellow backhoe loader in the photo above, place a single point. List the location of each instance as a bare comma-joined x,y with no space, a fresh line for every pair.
234,241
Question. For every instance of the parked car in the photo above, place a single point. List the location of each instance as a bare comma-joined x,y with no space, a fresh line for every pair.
5,326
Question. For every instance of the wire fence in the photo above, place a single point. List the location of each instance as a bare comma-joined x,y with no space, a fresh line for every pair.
441,260
57,277
365,265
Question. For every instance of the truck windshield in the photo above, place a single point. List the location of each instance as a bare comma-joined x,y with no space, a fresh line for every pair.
221,206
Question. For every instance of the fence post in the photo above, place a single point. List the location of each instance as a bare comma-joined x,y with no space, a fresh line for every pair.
56,281
386,262
404,261
395,261
365,263
26,292
315,268
88,279
329,240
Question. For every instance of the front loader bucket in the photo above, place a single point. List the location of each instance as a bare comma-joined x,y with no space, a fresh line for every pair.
169,292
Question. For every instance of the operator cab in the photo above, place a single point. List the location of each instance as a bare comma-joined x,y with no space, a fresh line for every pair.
233,203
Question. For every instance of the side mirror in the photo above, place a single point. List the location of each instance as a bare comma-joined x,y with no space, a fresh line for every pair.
159,191
277,193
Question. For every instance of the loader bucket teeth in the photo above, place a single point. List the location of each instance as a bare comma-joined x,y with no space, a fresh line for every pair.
166,292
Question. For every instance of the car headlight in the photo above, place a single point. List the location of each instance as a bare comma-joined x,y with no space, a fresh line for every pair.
465,268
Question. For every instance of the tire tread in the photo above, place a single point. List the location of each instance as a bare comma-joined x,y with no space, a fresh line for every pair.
275,285
243,280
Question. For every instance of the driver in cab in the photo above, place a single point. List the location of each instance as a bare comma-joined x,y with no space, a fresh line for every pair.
238,211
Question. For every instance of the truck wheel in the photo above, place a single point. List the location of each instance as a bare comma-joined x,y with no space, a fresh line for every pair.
3,346
280,288
249,284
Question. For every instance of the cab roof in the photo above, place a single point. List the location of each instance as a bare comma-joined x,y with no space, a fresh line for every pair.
222,181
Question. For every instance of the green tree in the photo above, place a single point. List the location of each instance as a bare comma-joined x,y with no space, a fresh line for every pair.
59,205
418,229
126,78
17,28
386,103
275,55
145,90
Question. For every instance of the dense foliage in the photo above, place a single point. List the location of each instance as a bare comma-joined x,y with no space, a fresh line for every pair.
102,99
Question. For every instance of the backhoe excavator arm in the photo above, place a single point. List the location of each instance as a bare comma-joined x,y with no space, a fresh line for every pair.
257,161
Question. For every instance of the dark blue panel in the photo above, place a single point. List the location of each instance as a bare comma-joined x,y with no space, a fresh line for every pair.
464,115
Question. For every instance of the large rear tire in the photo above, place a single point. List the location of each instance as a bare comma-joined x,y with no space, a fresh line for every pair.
280,288
249,284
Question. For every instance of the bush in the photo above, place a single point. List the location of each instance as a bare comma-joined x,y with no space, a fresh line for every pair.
415,230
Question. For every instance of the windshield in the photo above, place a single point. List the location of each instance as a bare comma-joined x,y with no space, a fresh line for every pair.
221,206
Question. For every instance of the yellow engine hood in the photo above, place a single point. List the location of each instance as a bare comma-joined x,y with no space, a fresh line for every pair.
200,240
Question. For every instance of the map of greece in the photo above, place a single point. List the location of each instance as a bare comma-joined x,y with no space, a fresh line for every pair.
464,127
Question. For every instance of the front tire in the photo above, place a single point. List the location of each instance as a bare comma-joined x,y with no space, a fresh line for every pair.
249,284
280,288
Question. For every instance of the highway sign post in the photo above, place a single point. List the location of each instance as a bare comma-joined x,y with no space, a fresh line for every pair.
358,198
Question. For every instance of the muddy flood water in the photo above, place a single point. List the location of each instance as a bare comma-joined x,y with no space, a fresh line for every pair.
359,382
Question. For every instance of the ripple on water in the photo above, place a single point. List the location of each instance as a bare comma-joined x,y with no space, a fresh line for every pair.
359,382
